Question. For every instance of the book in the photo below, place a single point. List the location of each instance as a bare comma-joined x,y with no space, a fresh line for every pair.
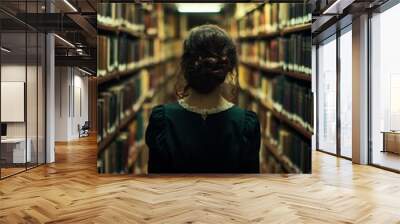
288,96
122,53
122,14
116,102
102,55
288,145
286,53
114,158
293,100
296,149
270,18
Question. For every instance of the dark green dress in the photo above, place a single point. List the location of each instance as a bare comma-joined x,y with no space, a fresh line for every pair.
181,141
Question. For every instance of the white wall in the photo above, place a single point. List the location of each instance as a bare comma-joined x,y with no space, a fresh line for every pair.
34,125
12,73
82,83
61,103
346,75
71,93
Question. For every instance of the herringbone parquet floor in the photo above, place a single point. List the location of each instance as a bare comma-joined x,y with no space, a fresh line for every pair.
70,191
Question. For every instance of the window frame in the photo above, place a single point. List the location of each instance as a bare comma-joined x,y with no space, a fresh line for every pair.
337,34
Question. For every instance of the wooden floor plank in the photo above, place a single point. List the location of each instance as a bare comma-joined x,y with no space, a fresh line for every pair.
71,191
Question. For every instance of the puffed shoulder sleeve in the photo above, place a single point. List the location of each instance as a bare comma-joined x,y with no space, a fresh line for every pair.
252,135
155,139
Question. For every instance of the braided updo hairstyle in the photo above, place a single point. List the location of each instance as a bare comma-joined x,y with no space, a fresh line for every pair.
209,56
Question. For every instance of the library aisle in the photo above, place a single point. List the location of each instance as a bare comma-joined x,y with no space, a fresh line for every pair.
139,50
71,191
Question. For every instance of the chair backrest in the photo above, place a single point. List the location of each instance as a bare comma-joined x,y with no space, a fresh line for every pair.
86,124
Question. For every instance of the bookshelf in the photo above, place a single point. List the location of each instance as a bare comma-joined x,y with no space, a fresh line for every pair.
287,165
123,123
274,34
117,75
296,28
135,109
138,50
275,41
277,71
109,29
267,104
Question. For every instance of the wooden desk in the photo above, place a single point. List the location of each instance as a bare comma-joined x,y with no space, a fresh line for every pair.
391,141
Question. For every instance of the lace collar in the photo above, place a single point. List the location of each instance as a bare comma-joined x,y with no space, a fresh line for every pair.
205,112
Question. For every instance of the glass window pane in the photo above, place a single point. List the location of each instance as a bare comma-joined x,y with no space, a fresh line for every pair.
41,99
327,96
31,97
23,81
346,94
14,153
385,94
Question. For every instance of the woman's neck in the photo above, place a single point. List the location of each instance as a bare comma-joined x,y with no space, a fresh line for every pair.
205,101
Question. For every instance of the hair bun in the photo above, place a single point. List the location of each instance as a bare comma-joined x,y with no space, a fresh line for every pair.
209,55
213,65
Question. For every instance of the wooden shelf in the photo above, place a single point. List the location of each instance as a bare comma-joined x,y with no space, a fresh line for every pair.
104,28
107,28
282,117
261,35
296,28
116,75
282,32
119,29
292,74
287,165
